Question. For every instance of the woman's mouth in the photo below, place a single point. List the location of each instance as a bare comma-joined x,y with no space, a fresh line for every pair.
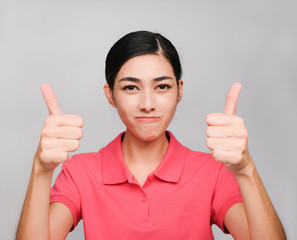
148,119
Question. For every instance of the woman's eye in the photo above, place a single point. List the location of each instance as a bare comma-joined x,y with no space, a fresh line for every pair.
163,86
130,88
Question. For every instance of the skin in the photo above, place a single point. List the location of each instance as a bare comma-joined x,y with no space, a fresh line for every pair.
227,139
59,136
146,100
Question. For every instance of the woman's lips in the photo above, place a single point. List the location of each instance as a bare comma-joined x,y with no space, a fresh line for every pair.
148,119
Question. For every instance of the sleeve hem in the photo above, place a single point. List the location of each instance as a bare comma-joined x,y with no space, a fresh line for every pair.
224,209
68,203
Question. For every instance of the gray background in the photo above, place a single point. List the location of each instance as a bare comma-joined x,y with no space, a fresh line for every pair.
64,43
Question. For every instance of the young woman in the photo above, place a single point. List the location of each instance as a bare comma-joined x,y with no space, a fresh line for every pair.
145,184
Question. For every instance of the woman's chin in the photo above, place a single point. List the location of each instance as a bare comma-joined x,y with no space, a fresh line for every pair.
147,136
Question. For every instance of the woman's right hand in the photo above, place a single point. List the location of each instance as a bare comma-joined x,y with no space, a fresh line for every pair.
59,136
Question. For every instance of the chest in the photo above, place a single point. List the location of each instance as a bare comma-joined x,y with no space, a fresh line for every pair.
158,210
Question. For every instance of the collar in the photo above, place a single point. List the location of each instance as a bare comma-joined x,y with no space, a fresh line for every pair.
115,169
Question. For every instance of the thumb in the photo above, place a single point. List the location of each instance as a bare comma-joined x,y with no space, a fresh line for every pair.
50,100
232,98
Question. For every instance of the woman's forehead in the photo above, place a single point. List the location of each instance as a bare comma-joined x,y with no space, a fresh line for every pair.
146,66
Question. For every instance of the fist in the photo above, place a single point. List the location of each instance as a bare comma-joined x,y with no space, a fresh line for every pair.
227,135
59,136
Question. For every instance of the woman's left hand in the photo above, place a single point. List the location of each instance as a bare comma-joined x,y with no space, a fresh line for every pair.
227,135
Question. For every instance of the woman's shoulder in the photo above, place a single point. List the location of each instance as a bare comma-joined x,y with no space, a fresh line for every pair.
93,157
197,155
201,158
81,160
201,167
193,157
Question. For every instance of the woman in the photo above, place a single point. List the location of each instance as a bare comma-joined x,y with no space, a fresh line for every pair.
145,184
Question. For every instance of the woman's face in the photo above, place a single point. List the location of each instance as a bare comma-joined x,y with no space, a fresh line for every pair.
145,95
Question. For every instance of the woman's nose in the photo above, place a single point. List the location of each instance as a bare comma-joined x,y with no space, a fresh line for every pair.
147,101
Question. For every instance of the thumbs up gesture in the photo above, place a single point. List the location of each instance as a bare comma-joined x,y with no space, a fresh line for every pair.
227,135
59,136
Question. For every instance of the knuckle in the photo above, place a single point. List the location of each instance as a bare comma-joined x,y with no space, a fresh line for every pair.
242,145
208,142
80,120
241,133
216,155
239,120
208,131
207,118
45,156
245,133
49,120
64,156
238,144
42,156
44,132
244,142
59,156
43,143
238,158
76,144
81,133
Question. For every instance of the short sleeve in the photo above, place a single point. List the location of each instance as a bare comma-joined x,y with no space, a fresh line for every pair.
226,194
65,191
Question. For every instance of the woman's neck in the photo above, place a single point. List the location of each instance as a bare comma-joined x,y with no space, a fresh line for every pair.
148,154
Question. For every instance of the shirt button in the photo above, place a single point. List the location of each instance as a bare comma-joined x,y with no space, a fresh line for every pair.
144,199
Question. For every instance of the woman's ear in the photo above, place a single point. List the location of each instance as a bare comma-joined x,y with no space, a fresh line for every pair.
180,90
109,95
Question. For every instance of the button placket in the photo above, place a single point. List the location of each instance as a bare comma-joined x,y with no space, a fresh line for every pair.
132,180
148,180
144,198
144,208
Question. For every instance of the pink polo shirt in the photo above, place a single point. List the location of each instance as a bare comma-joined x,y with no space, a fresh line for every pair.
181,199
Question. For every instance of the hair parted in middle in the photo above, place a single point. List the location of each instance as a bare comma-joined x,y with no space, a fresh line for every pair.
139,43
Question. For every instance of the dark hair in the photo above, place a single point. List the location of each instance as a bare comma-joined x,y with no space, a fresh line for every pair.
139,43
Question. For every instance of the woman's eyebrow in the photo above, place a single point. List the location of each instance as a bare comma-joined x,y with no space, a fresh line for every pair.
162,78
133,79
130,79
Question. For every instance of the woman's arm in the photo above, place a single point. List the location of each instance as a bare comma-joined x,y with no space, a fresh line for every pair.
60,135
39,219
263,222
257,217
34,221
227,138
